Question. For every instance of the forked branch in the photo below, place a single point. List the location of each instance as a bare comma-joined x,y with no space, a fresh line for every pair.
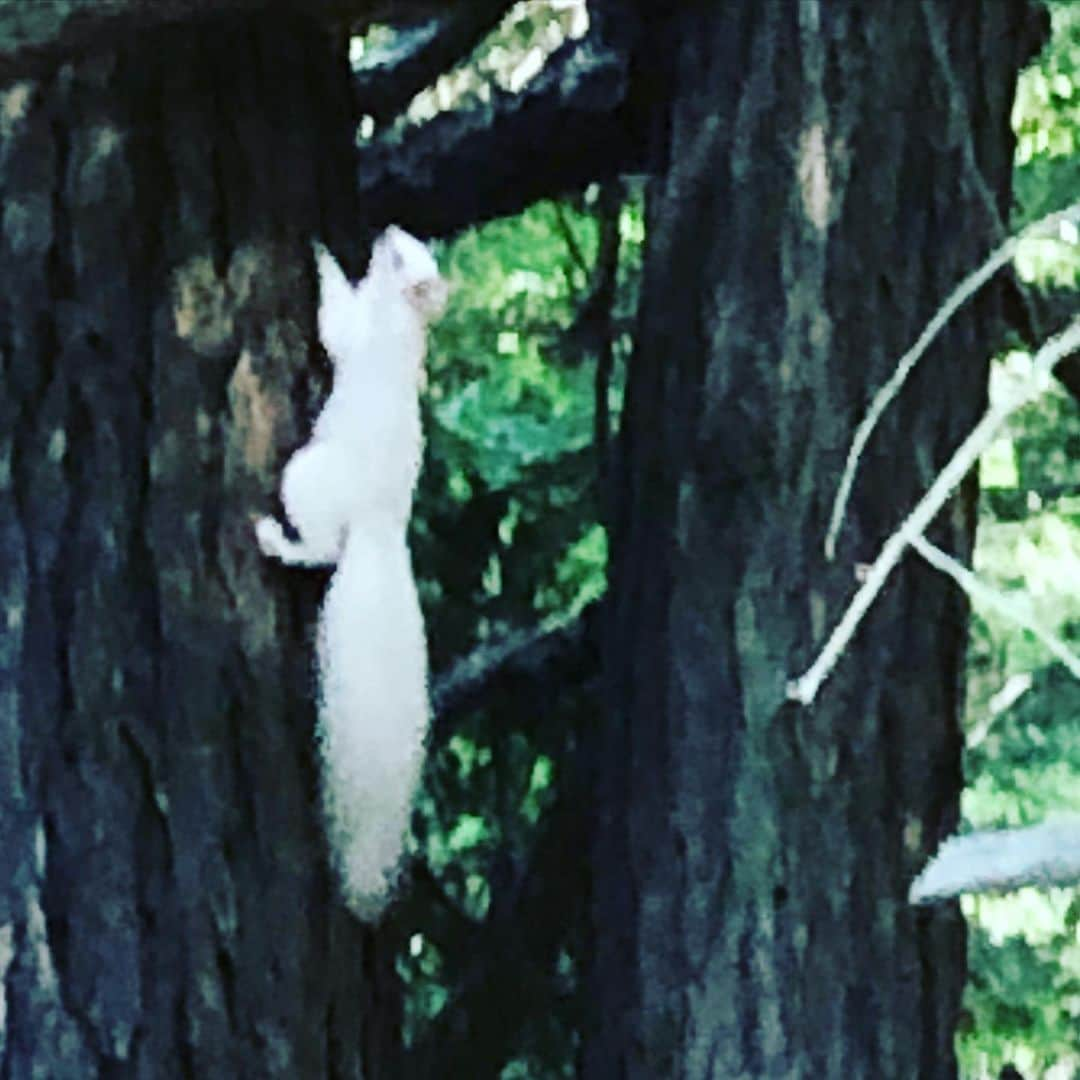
804,689
884,397
985,594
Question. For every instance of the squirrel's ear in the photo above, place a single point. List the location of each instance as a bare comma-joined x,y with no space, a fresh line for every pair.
393,237
386,253
334,295
332,279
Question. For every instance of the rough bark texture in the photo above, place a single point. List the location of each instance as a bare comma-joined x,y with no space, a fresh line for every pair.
164,904
36,35
752,858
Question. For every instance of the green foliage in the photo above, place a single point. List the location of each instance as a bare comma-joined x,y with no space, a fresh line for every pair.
1023,760
511,469
1046,117
1023,715
507,535
1024,991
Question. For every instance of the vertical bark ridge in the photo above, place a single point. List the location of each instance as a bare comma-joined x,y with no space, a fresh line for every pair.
753,858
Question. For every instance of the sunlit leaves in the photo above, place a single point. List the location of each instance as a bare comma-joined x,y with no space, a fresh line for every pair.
1023,715
1046,118
506,534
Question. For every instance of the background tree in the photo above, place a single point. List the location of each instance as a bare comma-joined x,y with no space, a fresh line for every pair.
873,177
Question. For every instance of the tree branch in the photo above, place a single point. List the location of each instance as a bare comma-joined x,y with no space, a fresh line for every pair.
571,125
997,860
804,689
527,662
598,312
1030,310
991,597
967,288
389,78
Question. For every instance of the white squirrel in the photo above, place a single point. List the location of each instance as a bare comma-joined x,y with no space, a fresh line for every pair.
348,492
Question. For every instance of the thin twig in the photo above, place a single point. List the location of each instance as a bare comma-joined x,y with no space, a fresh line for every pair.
1016,686
558,653
805,688
603,301
884,397
577,256
979,590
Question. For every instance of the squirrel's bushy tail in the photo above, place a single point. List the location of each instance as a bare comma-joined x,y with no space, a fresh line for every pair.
373,716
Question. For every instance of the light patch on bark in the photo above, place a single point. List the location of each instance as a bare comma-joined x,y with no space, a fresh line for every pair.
37,937
245,266
28,225
202,307
14,105
106,140
913,836
98,150
800,938
40,849
164,455
814,176
57,446
7,954
818,613
254,414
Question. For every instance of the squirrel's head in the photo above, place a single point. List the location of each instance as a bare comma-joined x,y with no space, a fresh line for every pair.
400,264
405,263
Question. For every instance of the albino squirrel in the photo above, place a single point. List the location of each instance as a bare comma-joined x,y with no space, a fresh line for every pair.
348,492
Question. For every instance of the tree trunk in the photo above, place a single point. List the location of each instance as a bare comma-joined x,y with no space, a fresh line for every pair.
833,169
165,908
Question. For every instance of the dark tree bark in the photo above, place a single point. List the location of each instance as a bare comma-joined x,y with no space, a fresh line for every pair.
37,35
164,904
826,186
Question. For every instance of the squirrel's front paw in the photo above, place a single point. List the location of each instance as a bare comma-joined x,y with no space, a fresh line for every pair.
270,536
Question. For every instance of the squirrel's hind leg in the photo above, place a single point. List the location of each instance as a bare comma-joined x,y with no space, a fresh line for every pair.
314,504
274,543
